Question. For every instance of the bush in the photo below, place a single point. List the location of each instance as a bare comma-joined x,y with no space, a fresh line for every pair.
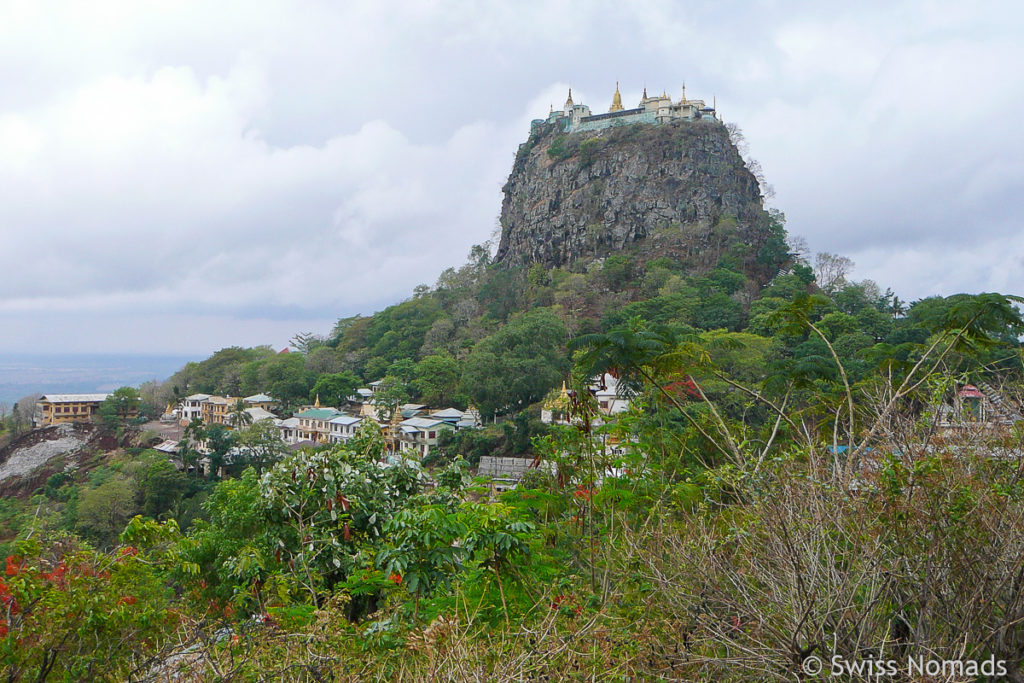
559,148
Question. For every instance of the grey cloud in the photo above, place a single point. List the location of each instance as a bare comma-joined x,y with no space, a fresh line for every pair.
249,163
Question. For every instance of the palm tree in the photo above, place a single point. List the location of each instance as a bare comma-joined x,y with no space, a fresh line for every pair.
897,307
238,417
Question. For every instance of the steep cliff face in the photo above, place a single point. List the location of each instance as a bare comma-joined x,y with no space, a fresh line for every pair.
679,188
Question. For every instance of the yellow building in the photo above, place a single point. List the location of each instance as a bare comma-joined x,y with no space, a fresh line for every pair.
263,401
216,408
54,409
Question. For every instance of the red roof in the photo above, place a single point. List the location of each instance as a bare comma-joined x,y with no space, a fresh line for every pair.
284,350
970,391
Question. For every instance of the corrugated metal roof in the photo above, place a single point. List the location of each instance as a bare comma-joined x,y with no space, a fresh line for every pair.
447,412
258,414
421,422
345,420
318,413
73,398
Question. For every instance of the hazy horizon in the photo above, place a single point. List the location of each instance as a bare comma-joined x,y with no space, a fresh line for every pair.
23,374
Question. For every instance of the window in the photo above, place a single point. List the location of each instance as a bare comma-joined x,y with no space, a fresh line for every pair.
432,435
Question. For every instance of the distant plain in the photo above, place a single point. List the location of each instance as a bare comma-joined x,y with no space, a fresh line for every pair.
24,374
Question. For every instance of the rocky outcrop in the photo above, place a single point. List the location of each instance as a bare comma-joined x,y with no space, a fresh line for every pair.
680,188
26,462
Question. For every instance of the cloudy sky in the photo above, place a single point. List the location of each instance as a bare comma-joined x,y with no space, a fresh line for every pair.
182,176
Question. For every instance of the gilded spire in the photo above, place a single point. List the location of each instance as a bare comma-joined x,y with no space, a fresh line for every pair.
616,100
684,93
644,98
568,102
317,404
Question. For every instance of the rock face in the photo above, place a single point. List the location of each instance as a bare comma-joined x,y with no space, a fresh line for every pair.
680,188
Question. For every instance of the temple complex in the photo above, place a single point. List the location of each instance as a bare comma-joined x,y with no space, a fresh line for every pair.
658,109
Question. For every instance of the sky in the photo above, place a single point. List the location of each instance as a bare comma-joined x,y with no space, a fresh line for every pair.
176,177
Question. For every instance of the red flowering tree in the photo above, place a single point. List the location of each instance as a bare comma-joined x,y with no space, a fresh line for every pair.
68,612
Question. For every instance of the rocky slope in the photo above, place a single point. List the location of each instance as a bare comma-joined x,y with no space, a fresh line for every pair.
680,188
26,462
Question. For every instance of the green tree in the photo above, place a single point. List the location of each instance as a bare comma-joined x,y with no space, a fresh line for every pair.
324,504
518,364
104,511
219,441
70,613
617,271
305,342
162,487
118,409
437,379
334,389
404,370
391,393
261,443
323,360
717,310
236,545
286,378
238,417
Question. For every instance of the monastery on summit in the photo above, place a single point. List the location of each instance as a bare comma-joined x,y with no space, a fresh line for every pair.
658,109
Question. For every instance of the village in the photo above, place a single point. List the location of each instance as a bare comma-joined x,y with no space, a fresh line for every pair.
409,430
413,431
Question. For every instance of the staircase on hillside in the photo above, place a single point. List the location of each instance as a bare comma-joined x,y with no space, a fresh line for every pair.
1005,410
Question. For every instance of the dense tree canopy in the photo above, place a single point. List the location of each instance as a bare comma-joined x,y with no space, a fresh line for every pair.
518,364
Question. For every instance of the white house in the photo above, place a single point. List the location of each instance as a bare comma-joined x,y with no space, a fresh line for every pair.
343,428
192,407
289,429
260,401
419,434
606,390
611,399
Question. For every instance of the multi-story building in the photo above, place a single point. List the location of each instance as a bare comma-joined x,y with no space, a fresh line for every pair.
191,407
59,408
420,434
215,409
263,401
343,428
314,423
